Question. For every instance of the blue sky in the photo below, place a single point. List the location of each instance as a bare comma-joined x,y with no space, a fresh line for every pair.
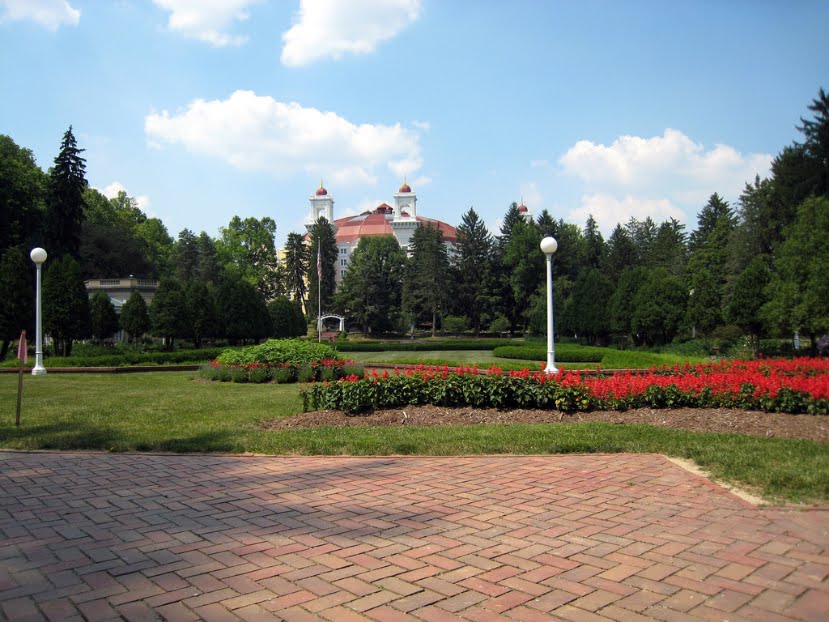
205,109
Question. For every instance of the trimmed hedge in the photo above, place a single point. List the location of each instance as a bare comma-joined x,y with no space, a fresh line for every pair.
127,358
565,353
399,346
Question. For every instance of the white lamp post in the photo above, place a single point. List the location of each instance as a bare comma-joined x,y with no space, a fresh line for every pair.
38,256
548,247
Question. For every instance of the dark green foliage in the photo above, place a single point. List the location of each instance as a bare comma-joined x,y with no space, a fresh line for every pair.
322,254
747,300
17,293
65,304
22,194
296,268
185,256
586,312
103,319
243,310
799,289
659,307
425,290
249,245
547,225
816,133
669,248
525,265
398,346
112,252
169,316
622,301
472,269
201,309
621,253
372,289
65,203
287,319
595,245
135,318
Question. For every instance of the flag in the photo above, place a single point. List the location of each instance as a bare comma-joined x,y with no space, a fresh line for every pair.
22,348
319,265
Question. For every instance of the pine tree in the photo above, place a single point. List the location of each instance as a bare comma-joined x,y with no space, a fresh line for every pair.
473,271
135,318
65,203
103,318
169,318
425,288
296,268
201,309
323,254
65,304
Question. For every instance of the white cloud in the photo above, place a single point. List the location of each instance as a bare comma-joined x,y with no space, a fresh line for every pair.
111,191
48,13
207,20
670,165
422,125
259,133
668,176
333,28
609,210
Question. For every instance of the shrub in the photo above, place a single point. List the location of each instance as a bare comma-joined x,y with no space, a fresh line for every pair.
278,352
564,353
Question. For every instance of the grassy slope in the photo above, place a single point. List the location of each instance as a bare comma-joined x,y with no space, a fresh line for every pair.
171,412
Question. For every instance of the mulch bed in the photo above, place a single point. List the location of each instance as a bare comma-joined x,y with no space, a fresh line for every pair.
754,423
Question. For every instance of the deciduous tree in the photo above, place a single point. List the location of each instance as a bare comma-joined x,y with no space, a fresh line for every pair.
17,294
103,318
135,318
65,304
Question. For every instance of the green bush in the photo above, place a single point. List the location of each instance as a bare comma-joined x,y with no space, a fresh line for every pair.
422,346
129,358
279,352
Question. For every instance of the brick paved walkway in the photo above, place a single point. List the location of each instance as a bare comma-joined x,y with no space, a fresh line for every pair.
619,537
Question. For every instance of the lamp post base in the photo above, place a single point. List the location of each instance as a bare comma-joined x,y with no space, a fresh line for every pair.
38,371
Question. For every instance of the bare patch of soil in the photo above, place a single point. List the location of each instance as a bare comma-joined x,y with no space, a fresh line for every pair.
754,423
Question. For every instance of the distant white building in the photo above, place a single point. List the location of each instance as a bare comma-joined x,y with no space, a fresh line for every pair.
401,221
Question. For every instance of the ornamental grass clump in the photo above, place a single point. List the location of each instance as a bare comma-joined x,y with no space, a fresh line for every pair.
796,386
281,361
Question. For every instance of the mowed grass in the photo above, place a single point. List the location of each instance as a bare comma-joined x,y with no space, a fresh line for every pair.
173,412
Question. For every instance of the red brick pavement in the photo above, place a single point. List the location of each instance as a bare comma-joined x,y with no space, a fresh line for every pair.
599,537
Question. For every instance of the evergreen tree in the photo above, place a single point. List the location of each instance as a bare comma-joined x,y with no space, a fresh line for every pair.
296,268
512,217
17,310
245,312
643,233
201,309
425,288
621,303
207,269
621,253
169,317
65,304
135,318
707,273
525,264
746,302
287,319
372,288
185,256
799,289
659,307
322,258
586,313
103,318
669,248
473,271
547,224
595,244
816,132
65,204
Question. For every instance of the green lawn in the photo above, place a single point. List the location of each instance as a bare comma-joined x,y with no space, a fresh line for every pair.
172,412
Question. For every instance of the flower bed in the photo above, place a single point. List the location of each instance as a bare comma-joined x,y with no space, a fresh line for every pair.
280,361
790,386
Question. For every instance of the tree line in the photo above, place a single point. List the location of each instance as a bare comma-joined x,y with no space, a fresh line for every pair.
758,267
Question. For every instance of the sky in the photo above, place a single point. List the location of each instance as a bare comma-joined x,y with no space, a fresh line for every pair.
206,109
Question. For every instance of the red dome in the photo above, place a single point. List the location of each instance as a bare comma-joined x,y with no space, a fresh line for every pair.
523,208
321,192
378,222
405,188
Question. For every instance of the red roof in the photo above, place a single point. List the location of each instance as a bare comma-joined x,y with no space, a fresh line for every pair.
378,222
523,208
321,192
405,188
